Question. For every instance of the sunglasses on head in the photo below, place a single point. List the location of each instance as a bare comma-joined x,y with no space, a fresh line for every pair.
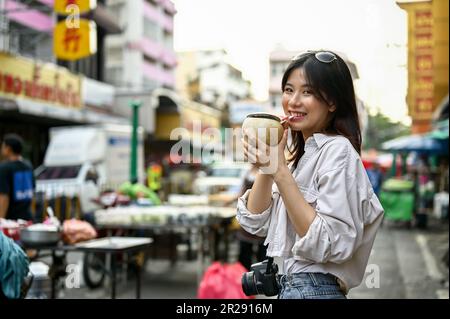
322,56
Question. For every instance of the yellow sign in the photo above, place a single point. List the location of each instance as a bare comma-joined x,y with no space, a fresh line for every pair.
44,82
76,41
201,125
73,7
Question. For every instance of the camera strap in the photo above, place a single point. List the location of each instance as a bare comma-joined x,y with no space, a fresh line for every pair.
280,263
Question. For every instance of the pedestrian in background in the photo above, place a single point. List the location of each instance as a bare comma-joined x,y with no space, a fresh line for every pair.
317,209
376,177
16,180
425,193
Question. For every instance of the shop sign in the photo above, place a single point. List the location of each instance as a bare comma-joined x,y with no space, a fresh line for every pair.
423,64
74,42
95,93
424,41
44,82
200,125
424,105
424,19
66,7
424,85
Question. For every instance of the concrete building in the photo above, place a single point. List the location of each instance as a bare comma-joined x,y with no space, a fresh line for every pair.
38,91
207,77
141,61
142,56
26,29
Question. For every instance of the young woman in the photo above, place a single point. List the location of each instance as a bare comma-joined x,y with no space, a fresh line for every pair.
317,209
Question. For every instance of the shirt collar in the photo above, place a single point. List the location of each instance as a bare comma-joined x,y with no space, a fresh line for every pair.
317,140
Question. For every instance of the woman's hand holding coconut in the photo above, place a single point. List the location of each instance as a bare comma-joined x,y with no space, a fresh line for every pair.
264,141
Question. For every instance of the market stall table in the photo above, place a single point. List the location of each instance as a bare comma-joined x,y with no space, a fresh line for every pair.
195,219
113,246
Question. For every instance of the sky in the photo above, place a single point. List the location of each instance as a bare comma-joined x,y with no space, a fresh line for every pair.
372,33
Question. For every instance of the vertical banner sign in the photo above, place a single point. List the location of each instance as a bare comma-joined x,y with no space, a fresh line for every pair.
74,37
423,100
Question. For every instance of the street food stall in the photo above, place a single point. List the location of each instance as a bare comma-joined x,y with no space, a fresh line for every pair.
54,240
397,198
409,199
114,247
201,222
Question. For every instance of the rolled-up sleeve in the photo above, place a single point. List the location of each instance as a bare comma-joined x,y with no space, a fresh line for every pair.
256,224
336,232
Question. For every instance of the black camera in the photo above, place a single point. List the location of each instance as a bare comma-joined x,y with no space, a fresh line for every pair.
261,279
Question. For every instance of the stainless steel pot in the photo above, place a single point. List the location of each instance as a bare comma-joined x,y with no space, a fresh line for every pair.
39,237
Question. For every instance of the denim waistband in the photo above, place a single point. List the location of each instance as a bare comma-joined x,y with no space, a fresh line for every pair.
308,278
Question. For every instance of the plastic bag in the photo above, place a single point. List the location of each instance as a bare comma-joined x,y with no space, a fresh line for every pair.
75,231
222,281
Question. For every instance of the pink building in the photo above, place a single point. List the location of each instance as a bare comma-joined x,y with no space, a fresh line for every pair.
142,57
26,30
29,29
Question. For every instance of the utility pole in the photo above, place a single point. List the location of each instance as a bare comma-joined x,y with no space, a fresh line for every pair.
135,105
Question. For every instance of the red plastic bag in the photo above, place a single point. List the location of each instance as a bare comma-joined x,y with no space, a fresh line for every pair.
222,281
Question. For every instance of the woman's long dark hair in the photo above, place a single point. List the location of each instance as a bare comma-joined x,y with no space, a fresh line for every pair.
331,82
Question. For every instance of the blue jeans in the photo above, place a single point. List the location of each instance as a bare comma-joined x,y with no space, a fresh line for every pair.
309,286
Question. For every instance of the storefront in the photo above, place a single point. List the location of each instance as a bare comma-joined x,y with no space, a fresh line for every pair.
196,125
36,96
187,138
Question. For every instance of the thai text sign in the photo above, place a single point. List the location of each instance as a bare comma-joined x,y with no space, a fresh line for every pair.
44,82
75,42
423,64
74,38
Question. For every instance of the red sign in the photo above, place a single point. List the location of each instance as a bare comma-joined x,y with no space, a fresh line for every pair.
423,65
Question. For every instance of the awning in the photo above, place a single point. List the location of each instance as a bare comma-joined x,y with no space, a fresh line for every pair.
419,143
440,130
58,112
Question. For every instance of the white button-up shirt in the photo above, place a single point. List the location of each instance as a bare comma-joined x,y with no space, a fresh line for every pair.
332,179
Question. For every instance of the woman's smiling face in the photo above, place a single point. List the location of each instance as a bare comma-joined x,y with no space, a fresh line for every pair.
309,113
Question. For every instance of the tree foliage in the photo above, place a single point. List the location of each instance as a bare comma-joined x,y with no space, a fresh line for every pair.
380,129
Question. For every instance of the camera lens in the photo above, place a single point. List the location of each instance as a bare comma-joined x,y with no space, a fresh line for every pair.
248,284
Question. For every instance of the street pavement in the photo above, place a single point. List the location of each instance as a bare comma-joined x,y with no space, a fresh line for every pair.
409,263
405,263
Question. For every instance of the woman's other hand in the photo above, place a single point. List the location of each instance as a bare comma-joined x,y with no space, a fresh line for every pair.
269,159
